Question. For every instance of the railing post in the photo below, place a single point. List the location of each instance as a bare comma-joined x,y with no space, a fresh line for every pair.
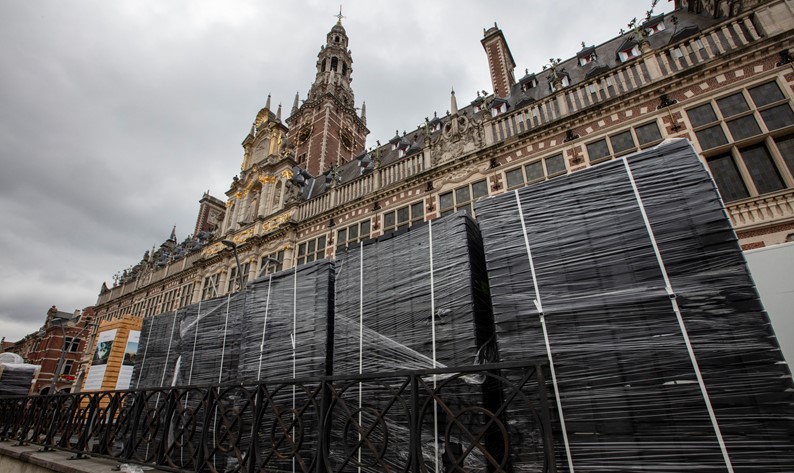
548,438
82,443
162,445
253,448
323,449
201,451
416,429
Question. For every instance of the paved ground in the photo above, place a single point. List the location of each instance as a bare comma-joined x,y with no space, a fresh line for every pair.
28,459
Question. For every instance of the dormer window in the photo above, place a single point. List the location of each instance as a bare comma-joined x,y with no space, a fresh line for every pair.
499,110
498,107
529,81
653,25
530,84
629,53
585,60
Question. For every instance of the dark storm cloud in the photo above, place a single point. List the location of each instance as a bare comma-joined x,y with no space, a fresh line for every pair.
117,116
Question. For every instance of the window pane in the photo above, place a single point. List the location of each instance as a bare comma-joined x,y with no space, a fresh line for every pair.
534,171
365,229
711,137
302,249
402,215
622,142
727,177
467,208
418,211
597,150
766,94
462,195
445,201
352,233
744,127
479,189
312,244
732,105
786,147
514,178
762,169
555,164
702,115
388,220
778,117
341,236
648,133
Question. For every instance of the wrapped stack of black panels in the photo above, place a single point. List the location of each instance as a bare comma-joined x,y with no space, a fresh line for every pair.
286,324
385,310
16,378
209,341
286,337
609,255
158,352
414,288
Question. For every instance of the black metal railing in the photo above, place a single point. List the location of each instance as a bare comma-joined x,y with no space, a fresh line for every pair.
484,418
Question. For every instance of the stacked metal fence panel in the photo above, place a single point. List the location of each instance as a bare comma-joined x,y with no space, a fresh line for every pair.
419,300
415,299
607,272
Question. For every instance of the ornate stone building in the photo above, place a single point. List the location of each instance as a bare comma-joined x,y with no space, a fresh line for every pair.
718,73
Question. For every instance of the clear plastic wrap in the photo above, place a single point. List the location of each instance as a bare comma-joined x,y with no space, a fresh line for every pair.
393,313
286,324
418,301
17,378
629,278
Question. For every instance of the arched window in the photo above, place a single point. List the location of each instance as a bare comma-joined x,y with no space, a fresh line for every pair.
322,68
334,62
344,68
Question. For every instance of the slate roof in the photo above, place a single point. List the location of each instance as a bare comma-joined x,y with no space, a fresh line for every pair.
606,60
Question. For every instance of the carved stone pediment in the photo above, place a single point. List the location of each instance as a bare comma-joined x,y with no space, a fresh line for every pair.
459,135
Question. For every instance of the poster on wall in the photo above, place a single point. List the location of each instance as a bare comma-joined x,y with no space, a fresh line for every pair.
96,373
128,362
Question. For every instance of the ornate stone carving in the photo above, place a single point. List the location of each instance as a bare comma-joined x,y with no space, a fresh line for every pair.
460,135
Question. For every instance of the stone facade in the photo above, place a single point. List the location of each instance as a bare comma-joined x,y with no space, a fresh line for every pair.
717,73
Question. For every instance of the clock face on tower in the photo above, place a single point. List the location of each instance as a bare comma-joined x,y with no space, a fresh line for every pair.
346,137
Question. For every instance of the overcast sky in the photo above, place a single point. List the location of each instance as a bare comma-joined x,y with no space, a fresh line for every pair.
115,117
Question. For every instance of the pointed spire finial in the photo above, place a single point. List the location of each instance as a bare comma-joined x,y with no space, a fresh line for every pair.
173,234
278,112
295,103
364,112
453,103
267,104
339,16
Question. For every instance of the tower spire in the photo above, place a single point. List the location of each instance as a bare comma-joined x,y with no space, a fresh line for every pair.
453,103
295,104
364,112
339,16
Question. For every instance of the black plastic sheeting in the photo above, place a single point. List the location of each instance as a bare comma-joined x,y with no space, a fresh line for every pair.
630,397
418,301
393,314
286,324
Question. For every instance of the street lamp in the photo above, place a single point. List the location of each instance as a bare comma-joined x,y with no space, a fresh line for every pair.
231,245
269,260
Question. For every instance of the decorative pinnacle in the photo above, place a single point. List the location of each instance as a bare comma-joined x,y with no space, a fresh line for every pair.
339,16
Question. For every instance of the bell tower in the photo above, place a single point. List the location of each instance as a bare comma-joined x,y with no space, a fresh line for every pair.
325,129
